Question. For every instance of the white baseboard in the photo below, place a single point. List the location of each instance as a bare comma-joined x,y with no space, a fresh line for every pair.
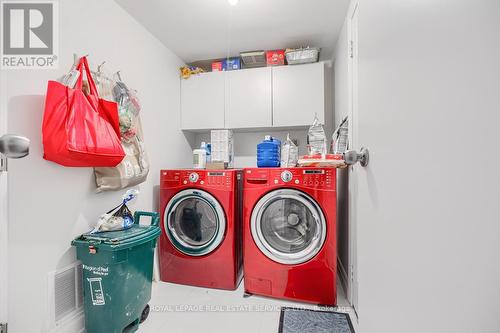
75,324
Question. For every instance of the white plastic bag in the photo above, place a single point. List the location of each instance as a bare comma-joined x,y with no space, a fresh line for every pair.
316,138
289,153
340,140
118,218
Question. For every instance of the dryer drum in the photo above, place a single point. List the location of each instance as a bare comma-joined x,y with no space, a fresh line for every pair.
194,222
288,226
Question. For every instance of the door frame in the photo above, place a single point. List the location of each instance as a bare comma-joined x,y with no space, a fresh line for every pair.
352,70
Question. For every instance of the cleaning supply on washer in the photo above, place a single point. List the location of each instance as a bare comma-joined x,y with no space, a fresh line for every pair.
208,147
268,153
222,147
340,140
289,153
118,218
200,157
316,138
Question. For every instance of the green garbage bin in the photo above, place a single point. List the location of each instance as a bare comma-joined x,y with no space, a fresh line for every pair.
117,272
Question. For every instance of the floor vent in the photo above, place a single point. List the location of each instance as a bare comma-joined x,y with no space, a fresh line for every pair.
65,293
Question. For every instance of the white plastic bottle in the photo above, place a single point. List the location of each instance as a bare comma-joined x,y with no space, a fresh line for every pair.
200,157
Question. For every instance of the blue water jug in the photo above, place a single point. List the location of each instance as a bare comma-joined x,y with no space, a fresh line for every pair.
269,153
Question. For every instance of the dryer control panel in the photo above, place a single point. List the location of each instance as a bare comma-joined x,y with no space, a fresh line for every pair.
199,178
321,178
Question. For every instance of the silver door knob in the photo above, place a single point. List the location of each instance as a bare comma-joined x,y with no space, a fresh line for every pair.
352,157
14,146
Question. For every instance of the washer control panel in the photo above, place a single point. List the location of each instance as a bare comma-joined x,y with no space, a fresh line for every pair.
219,178
309,177
206,178
317,177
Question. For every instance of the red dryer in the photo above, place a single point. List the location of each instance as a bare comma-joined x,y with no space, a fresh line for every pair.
289,232
201,243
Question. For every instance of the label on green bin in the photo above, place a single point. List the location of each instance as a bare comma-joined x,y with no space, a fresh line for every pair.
97,270
96,291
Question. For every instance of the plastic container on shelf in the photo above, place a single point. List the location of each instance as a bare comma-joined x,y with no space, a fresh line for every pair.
253,58
231,64
217,66
269,153
302,55
275,57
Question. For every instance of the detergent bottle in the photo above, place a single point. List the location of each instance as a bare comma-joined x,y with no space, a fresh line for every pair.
268,153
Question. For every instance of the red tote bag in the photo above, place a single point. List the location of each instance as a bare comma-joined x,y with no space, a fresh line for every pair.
80,130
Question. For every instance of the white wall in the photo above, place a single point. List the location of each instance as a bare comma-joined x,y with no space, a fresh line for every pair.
429,78
48,204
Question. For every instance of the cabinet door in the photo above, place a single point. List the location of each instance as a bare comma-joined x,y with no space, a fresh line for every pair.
298,94
202,101
248,98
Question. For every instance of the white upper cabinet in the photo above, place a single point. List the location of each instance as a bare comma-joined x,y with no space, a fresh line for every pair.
202,101
283,96
298,94
249,98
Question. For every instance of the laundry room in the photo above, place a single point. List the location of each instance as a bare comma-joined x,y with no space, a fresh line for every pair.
277,166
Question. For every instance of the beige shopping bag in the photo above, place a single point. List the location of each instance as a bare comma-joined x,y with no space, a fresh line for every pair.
132,170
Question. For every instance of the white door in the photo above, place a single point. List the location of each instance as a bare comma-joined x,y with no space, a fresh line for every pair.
248,96
3,243
298,94
428,227
202,101
3,212
352,31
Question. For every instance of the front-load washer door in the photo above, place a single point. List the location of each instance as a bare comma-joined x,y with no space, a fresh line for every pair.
194,222
288,226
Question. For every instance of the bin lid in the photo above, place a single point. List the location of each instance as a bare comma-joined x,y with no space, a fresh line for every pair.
135,235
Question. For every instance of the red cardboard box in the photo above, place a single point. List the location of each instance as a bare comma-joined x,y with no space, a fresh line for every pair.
275,57
217,66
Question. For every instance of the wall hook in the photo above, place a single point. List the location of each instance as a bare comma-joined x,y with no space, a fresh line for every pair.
99,67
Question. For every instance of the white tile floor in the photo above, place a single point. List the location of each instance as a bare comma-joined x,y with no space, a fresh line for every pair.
182,309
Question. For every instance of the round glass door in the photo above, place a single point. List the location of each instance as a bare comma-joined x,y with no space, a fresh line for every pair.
195,222
288,226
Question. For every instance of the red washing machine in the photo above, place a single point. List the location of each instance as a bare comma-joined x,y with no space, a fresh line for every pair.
289,233
201,243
